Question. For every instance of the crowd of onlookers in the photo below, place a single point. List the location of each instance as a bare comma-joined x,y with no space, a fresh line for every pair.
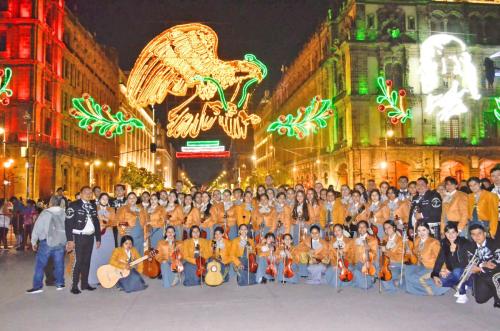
19,216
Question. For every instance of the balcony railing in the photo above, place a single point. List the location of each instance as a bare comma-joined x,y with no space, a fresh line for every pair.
454,142
405,141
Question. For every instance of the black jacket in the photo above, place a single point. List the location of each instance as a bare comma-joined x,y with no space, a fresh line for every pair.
429,205
459,259
76,218
490,253
118,202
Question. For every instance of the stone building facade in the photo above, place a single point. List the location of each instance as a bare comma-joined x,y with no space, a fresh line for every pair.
453,130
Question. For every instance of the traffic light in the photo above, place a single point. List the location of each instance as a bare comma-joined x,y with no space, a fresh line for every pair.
152,148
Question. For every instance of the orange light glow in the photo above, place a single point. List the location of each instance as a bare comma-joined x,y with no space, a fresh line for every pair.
182,61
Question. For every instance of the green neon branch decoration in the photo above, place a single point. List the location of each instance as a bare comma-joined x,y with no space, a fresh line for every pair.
5,92
220,90
253,59
307,121
92,116
496,111
394,102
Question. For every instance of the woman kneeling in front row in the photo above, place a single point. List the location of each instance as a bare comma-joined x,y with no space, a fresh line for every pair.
121,258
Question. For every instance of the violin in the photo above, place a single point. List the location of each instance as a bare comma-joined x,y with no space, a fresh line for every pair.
288,270
385,273
225,235
342,265
373,227
176,265
409,257
271,266
368,267
151,267
200,263
252,259
260,236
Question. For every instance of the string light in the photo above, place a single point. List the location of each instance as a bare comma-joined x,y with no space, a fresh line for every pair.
183,61
307,121
5,92
393,102
92,116
215,182
456,69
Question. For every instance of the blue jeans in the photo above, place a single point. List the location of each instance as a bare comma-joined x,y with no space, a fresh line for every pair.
453,278
43,255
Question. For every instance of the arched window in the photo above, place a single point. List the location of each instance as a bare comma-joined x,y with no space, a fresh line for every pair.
476,29
454,24
437,24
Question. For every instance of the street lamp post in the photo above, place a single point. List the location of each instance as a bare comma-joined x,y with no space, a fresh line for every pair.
6,165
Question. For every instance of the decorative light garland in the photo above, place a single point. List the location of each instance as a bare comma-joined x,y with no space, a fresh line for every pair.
5,92
202,155
92,116
393,102
307,121
202,149
183,61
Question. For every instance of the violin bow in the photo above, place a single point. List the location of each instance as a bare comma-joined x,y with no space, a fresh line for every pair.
402,258
337,271
380,267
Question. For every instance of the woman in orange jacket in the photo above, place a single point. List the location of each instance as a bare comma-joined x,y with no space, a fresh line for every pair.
288,259
195,250
314,208
131,220
241,248
392,247
106,216
376,213
266,256
166,249
191,215
221,249
209,215
341,247
418,277
263,218
315,253
175,214
156,222
365,253
283,213
398,209
243,211
228,211
300,217
121,259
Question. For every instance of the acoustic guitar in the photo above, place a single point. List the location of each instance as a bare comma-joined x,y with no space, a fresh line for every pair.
109,275
214,270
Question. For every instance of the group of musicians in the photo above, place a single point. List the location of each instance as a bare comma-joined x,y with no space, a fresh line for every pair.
409,238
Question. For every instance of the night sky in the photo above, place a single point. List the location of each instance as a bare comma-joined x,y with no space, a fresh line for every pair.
273,30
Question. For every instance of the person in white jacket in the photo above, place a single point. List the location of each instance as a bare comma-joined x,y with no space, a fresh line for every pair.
49,240
4,223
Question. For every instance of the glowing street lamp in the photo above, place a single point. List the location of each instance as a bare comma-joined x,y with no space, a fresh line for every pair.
383,165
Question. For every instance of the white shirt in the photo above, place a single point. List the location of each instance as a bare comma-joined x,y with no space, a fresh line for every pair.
89,227
315,244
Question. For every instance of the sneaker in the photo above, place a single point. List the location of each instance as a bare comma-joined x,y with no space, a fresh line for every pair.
34,290
60,287
462,298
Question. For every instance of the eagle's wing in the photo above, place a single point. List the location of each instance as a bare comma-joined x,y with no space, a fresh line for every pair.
171,63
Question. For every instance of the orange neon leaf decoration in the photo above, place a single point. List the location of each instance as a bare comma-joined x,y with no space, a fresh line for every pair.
182,61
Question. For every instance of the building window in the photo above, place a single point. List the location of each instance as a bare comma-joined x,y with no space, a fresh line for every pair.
3,41
4,5
370,22
454,24
48,126
48,90
48,54
411,23
452,128
65,133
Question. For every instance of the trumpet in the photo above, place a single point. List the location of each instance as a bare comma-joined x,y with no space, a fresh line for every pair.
468,271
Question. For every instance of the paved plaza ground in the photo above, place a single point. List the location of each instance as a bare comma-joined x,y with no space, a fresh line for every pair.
228,307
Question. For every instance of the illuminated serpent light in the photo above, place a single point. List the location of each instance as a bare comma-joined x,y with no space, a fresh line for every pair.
448,76
183,61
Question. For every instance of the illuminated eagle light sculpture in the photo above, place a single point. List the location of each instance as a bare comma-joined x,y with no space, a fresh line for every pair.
182,61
